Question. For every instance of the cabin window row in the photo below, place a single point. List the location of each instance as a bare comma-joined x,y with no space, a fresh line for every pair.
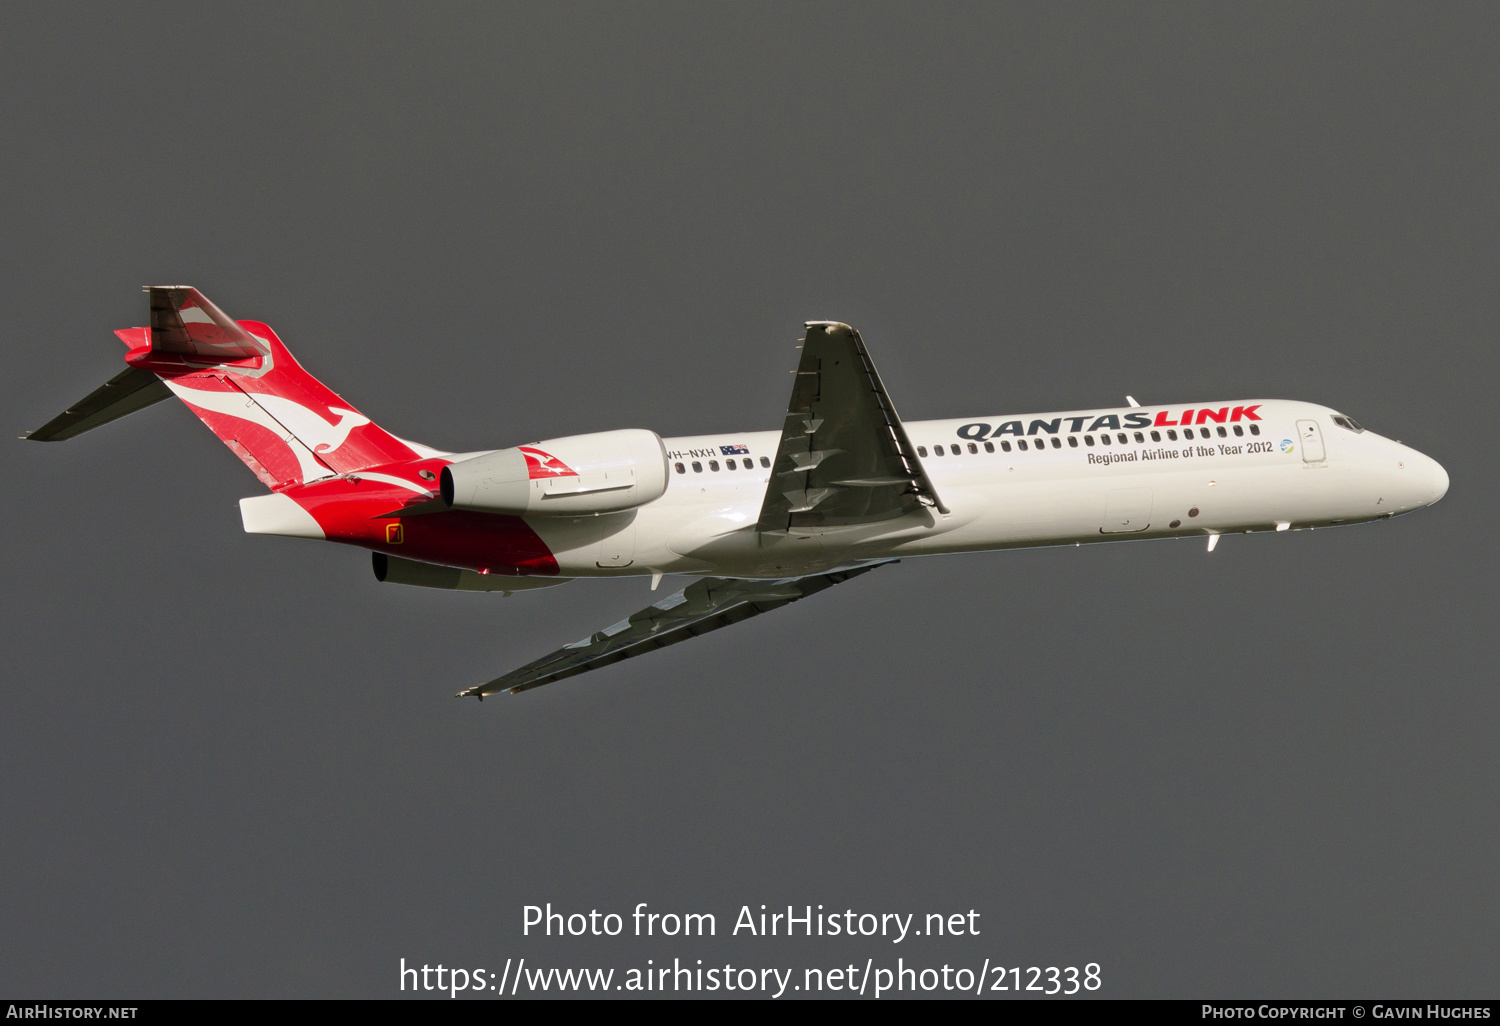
713,465
1104,439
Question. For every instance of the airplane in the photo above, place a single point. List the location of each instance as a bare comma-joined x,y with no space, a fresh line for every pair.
760,518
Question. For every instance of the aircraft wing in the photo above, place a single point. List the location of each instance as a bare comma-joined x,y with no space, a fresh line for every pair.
703,606
844,457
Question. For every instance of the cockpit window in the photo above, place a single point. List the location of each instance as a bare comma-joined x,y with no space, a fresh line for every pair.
1347,423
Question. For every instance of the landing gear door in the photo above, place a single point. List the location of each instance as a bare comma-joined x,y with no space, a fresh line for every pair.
618,549
1126,511
1312,441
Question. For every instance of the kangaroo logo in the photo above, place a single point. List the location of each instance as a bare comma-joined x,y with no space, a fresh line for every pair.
305,425
312,430
544,464
279,415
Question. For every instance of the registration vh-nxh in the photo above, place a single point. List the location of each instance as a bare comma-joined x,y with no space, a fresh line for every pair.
759,518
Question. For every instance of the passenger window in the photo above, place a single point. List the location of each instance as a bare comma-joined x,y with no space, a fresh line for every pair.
713,465
1057,443
1124,438
989,446
697,467
1005,445
680,468
938,450
1104,439
1222,432
1022,444
1156,436
1171,435
1187,432
922,451
953,449
1139,437
973,447
1255,429
1073,441
765,461
1088,439
1239,431
729,465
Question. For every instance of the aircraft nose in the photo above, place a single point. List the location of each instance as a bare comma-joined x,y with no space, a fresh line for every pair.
1439,480
1431,475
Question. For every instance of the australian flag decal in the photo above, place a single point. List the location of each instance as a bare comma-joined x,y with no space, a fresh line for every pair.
734,450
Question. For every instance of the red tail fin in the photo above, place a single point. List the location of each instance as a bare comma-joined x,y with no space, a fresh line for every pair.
286,425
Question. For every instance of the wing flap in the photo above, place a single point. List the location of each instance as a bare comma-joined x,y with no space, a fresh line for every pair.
706,605
844,457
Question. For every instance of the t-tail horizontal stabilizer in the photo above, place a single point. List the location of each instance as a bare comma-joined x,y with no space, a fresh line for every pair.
238,378
128,391
183,322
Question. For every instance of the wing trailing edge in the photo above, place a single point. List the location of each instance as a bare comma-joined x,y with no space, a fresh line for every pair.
844,457
703,606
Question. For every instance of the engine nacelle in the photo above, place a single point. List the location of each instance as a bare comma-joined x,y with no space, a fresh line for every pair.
581,474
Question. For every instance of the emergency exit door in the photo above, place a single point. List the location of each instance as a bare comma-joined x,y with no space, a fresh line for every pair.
1312,441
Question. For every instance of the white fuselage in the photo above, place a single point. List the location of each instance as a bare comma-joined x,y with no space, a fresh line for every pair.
1301,470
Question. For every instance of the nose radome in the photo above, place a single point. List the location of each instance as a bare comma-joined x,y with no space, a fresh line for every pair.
1428,481
1439,480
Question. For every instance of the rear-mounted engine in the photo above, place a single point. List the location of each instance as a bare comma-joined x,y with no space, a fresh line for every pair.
578,475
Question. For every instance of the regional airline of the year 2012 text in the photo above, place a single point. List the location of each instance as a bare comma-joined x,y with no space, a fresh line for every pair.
761,518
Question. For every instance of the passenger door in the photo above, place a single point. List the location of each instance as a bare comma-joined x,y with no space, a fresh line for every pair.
1126,511
1312,441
